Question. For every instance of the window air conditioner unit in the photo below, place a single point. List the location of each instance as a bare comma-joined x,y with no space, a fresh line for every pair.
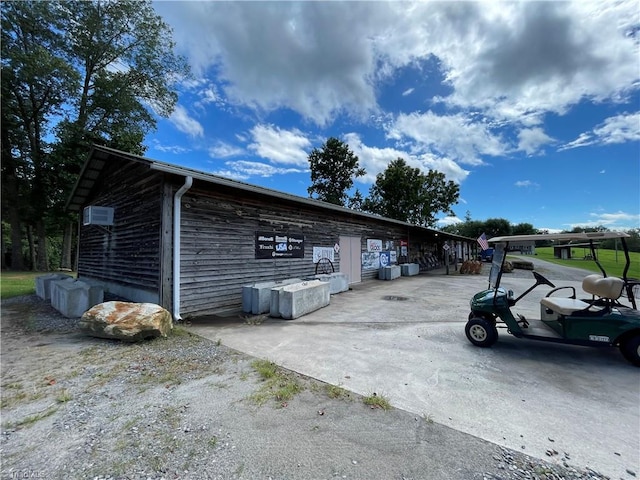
94,215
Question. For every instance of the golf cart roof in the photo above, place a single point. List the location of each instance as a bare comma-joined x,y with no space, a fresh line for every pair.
560,236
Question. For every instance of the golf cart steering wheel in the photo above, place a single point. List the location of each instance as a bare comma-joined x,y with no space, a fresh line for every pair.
540,280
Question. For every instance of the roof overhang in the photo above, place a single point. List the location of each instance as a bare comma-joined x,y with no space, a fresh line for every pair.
100,155
565,237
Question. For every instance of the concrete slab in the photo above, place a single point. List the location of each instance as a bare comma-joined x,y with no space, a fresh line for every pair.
405,339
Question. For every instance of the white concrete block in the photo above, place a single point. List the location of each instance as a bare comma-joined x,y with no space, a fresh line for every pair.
302,298
43,284
409,269
73,298
338,281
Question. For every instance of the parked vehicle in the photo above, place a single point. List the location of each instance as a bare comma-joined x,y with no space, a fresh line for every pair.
605,315
486,255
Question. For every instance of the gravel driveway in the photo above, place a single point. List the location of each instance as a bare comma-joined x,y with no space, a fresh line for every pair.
75,407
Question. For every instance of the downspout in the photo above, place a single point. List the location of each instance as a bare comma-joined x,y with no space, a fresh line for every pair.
177,210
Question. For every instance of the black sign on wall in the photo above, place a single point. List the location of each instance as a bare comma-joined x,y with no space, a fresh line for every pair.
279,245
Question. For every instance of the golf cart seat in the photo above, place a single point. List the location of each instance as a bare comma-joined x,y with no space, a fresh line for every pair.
607,288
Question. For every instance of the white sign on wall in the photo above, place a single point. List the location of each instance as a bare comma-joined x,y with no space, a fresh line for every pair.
374,245
323,252
370,260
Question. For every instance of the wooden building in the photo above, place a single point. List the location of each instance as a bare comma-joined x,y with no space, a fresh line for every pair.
573,250
187,240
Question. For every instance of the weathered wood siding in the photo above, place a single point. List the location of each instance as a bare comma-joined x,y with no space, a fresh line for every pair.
127,254
218,244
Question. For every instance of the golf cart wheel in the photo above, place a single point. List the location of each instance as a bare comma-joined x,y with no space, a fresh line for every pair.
480,332
630,349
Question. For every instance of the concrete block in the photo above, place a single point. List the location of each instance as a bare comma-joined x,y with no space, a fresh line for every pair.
338,281
261,294
247,294
302,298
73,298
409,269
274,305
55,290
43,284
389,273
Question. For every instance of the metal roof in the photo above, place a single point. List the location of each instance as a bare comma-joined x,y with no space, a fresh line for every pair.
560,236
99,156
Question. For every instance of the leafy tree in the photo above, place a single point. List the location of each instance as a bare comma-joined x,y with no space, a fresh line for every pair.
497,227
405,193
87,72
356,201
36,82
333,168
523,229
491,227
469,228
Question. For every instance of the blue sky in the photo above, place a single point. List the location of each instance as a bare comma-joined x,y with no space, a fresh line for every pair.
532,107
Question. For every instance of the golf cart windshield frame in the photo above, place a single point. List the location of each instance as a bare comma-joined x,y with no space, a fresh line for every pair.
501,247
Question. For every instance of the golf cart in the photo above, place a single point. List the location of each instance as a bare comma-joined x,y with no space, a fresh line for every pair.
606,315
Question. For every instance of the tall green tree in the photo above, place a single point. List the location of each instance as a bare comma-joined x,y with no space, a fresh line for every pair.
497,227
101,72
523,229
333,169
36,82
406,193
124,53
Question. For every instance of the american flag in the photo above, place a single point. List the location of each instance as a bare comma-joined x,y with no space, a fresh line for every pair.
482,240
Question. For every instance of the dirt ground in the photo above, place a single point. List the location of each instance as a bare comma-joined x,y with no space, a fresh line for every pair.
75,407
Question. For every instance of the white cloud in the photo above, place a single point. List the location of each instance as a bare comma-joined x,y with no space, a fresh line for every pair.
619,129
313,57
443,222
613,221
583,140
531,139
511,60
176,149
209,94
375,160
225,150
183,122
408,91
243,170
525,57
280,146
526,183
459,136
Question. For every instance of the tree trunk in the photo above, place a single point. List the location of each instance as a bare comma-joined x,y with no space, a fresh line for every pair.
43,258
3,260
32,248
66,262
10,193
17,260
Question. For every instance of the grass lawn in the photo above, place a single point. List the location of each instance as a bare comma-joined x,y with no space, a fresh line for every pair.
607,259
13,284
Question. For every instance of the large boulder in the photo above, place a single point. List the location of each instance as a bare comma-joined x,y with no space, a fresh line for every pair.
130,322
